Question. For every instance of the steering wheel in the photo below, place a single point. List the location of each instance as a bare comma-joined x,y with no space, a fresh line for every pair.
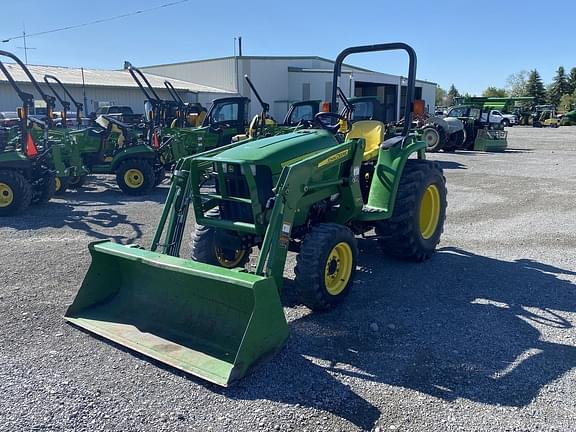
305,124
323,118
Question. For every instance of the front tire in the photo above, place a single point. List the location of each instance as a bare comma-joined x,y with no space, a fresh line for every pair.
45,190
414,230
76,182
15,193
434,137
135,177
325,266
205,249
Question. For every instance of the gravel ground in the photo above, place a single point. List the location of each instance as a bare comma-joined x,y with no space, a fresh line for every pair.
481,337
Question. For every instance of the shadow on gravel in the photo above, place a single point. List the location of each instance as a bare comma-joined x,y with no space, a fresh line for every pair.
87,210
451,165
458,326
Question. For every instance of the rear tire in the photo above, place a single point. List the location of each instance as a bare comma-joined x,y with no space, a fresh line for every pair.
204,248
135,177
325,266
46,190
15,193
434,137
414,230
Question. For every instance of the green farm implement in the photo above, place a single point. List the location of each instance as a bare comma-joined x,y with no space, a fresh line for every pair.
311,191
28,163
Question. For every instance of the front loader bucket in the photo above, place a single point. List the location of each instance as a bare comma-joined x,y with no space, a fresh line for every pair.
208,321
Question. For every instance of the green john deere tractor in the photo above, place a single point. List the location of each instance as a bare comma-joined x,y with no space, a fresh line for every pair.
168,128
311,191
28,165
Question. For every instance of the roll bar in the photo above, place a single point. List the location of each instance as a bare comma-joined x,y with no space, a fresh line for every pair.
375,48
65,104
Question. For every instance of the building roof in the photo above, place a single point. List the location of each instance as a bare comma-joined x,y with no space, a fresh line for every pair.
100,78
290,68
259,58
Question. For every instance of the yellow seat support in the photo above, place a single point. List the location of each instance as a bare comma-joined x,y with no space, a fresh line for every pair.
373,133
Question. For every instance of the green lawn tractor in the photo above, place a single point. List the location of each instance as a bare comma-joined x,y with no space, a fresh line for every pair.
311,191
169,132
569,119
108,147
29,164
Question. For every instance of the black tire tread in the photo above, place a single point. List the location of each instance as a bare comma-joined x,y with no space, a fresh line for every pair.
309,284
400,238
147,171
21,188
202,246
441,138
46,190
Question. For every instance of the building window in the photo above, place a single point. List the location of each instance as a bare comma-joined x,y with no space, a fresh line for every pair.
328,91
306,91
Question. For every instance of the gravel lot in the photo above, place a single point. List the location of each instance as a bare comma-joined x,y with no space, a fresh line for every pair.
481,337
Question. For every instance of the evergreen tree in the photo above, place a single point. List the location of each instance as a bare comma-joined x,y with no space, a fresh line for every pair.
452,94
559,87
495,92
572,80
535,87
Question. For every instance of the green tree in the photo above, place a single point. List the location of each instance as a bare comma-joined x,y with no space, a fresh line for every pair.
572,80
516,84
495,92
567,102
535,87
559,87
440,96
453,93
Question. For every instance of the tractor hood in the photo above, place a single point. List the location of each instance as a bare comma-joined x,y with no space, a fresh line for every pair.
280,150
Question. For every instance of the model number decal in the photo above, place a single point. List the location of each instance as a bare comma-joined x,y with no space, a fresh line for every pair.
333,158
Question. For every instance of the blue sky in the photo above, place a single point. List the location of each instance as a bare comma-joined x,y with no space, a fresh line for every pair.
472,47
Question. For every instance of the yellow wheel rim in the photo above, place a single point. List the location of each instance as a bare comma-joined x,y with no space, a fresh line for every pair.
134,178
338,268
224,259
429,211
58,184
6,195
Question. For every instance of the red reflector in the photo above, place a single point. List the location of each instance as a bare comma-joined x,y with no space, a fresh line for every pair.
31,150
155,142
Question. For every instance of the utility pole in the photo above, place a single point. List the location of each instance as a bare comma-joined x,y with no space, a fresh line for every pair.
84,92
25,47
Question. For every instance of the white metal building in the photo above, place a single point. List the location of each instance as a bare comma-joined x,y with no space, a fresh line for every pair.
283,80
101,87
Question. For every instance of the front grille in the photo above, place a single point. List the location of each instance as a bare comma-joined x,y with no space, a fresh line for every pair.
237,186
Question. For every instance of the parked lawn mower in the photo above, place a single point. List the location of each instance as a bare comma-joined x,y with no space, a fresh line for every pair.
300,191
